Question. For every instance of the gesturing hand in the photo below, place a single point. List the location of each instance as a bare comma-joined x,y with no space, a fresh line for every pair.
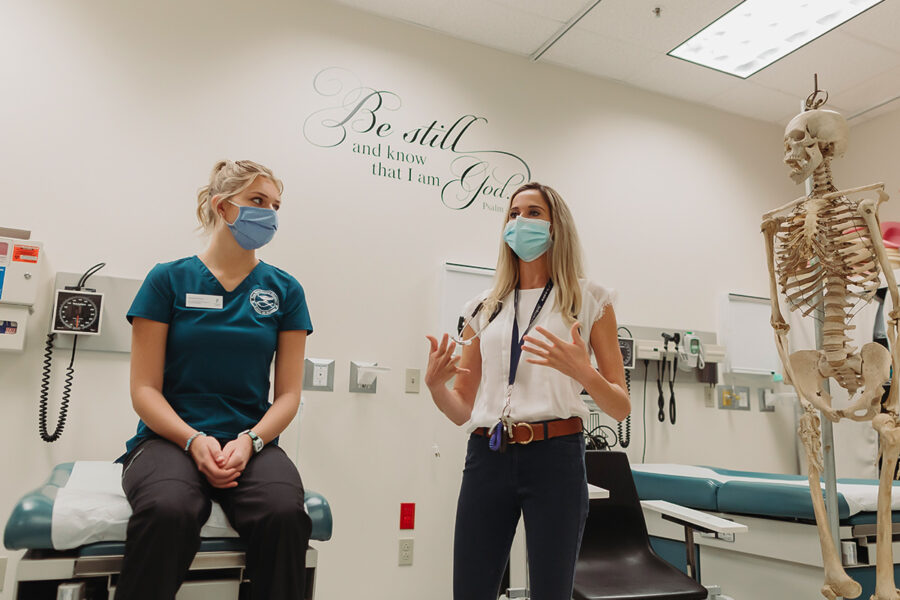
441,362
207,453
567,358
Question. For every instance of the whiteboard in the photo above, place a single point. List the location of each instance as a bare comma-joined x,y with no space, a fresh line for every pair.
747,335
460,284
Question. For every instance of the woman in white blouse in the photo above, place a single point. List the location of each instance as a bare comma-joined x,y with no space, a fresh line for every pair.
526,448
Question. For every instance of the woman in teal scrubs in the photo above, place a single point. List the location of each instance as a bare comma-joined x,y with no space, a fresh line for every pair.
205,330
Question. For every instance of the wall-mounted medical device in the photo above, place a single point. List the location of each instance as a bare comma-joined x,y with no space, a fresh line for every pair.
77,311
691,352
20,263
655,350
626,347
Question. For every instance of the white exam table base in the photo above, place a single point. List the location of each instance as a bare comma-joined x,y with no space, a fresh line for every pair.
90,567
518,558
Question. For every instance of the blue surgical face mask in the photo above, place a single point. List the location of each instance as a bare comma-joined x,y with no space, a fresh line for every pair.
254,227
528,238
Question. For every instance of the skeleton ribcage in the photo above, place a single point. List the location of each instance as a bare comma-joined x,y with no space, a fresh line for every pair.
824,256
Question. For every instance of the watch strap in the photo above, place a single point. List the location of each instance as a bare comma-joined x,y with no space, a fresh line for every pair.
255,441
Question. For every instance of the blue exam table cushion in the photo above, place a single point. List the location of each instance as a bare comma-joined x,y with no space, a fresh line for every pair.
695,487
83,503
768,495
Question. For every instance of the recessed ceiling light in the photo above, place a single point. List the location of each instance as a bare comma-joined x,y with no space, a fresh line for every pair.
756,33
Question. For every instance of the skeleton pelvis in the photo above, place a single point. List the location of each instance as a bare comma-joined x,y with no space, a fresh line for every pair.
861,374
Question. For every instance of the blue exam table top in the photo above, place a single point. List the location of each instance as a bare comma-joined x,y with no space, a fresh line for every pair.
766,495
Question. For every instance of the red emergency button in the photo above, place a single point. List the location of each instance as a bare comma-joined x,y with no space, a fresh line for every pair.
407,515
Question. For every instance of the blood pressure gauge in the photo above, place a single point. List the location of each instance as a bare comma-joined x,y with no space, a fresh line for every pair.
626,346
77,312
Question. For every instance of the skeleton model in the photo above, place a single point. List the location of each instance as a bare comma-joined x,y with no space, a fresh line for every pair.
825,250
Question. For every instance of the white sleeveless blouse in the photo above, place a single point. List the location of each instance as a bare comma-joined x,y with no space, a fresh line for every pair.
540,393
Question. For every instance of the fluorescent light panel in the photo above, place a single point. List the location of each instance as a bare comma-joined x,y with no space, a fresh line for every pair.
756,33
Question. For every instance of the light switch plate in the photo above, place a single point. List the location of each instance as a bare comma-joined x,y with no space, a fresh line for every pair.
318,374
412,381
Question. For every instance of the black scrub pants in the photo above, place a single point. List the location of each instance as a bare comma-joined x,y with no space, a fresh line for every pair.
543,481
171,501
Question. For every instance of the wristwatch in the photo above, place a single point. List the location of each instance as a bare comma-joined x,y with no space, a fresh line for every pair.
257,441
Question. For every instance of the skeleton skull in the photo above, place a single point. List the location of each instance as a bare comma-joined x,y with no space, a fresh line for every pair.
812,137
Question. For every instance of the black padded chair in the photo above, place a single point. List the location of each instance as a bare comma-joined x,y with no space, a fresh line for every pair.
616,560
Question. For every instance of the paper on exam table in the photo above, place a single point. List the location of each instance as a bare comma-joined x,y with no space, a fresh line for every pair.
92,507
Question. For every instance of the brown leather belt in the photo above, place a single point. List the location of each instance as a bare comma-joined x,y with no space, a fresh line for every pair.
525,433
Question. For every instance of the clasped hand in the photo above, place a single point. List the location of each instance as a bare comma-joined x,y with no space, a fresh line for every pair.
569,358
221,466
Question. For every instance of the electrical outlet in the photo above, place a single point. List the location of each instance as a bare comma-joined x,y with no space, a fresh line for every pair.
318,374
406,552
734,397
710,397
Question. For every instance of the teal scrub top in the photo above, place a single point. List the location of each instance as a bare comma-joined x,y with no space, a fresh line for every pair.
218,360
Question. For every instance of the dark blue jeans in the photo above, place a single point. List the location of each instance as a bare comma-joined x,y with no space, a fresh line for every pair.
544,481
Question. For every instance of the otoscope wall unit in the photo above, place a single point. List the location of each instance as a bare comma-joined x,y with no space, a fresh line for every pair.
649,343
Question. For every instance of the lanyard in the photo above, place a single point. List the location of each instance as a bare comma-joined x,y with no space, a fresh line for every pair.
498,440
515,350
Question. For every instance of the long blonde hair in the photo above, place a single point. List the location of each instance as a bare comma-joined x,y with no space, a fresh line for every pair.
564,258
228,179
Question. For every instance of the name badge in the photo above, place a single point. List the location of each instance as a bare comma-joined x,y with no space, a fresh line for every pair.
202,301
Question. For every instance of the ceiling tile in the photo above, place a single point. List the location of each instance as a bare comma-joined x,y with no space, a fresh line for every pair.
757,102
597,55
858,64
881,88
682,79
879,24
497,25
412,11
872,114
558,10
634,21
840,60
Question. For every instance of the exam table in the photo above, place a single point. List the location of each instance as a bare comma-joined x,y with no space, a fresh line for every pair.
781,550
73,530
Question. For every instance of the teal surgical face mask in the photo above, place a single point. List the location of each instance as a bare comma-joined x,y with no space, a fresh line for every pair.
528,238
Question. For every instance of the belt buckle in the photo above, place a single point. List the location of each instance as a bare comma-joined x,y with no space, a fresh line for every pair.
530,430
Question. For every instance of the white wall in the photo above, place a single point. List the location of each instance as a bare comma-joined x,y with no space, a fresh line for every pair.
871,158
113,114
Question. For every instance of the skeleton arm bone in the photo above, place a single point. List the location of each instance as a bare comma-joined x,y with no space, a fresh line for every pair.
769,227
868,210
